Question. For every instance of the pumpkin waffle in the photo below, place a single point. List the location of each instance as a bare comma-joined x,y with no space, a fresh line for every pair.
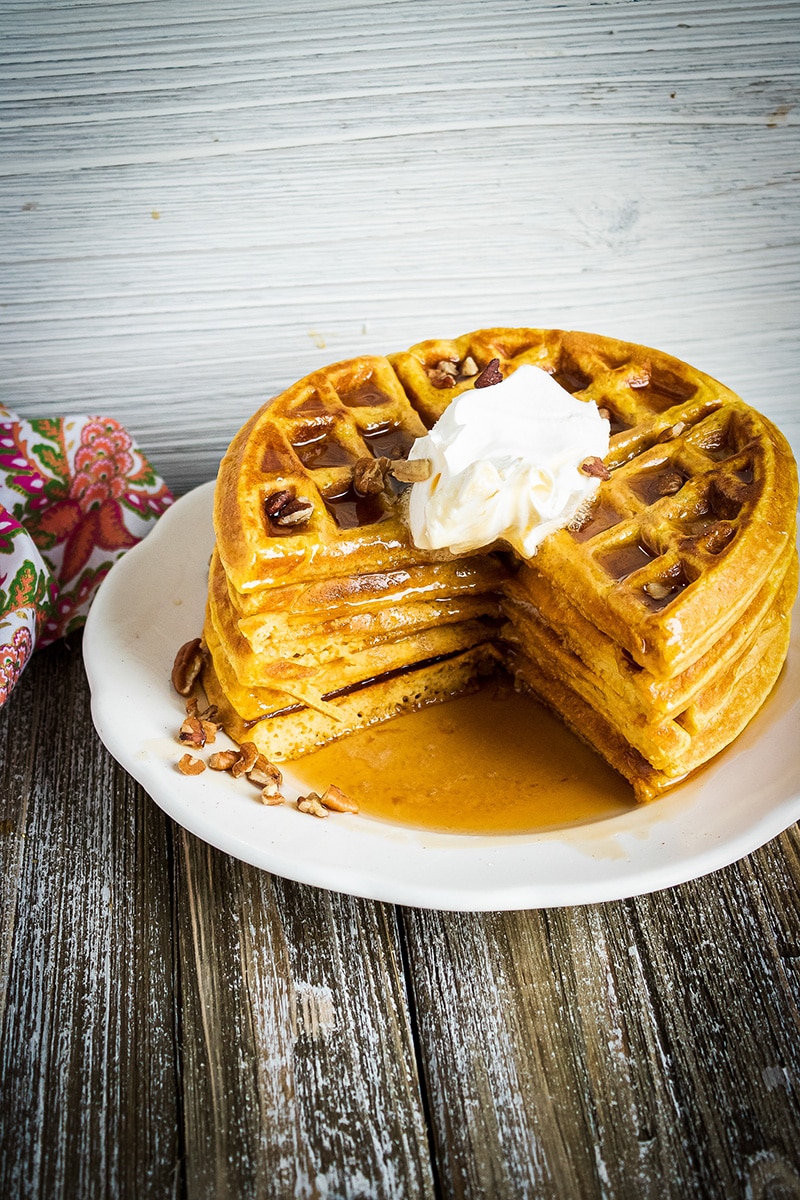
303,445
703,490
532,604
295,728
284,683
292,645
655,625
674,743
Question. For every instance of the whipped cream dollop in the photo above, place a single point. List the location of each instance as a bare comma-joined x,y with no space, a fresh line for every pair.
505,465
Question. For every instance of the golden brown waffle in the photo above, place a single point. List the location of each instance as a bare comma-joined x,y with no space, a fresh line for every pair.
304,444
621,677
292,731
745,687
656,626
700,505
283,683
675,743
264,648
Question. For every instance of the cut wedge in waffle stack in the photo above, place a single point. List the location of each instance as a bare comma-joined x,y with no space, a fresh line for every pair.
655,626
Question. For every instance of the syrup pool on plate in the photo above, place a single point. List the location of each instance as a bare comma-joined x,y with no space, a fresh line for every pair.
496,762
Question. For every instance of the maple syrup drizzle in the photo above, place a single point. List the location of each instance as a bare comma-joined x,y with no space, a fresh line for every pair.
492,763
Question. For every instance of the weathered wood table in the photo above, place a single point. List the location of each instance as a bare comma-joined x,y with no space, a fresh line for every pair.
177,1023
199,206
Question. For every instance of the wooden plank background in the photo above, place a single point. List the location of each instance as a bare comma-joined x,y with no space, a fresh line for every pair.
176,1023
198,205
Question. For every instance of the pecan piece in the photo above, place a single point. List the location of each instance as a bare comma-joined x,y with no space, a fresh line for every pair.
369,475
296,512
256,766
276,501
413,470
443,373
189,765
469,367
266,775
337,800
312,805
205,714
595,467
248,755
272,799
490,375
187,666
223,760
192,733
286,509
658,590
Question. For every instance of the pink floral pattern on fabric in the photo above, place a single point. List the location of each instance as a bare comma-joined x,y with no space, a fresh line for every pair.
13,657
75,494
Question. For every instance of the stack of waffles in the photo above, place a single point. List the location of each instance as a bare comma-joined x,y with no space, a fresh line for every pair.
655,626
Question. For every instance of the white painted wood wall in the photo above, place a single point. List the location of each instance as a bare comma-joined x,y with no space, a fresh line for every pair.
200,203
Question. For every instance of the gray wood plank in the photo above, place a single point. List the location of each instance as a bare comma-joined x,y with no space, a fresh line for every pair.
201,204
88,1071
299,1065
646,1048
265,1051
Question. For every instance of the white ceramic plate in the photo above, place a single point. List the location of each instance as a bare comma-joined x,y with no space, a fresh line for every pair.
153,601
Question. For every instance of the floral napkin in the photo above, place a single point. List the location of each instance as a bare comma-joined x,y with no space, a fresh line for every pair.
75,494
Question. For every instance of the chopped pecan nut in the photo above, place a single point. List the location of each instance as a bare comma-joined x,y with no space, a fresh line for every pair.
413,470
595,467
249,761
189,765
296,512
369,475
265,773
337,800
672,431
490,375
658,590
441,379
248,753
272,798
209,713
187,666
312,805
192,733
275,502
223,760
286,509
469,367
